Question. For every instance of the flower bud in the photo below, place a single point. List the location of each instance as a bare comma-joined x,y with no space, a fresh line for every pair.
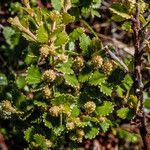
54,15
47,92
78,63
49,75
62,58
107,67
55,111
80,133
44,52
70,125
90,107
6,105
102,119
48,143
97,61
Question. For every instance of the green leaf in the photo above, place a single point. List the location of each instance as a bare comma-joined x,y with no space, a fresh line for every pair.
117,18
30,58
142,19
84,75
104,126
84,43
105,109
11,36
91,133
127,82
42,34
57,31
57,4
119,91
97,78
127,26
75,111
33,75
21,82
40,103
71,47
105,89
28,134
76,34
95,13
131,137
119,10
67,18
147,103
125,113
133,101
71,80
58,130
47,120
65,67
63,99
3,80
62,38
40,140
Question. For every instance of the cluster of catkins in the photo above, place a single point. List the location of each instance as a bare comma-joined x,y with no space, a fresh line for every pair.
6,109
50,76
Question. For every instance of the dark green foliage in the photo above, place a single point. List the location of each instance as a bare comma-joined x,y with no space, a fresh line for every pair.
56,90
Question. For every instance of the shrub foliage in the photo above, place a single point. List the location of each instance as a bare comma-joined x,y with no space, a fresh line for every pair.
67,84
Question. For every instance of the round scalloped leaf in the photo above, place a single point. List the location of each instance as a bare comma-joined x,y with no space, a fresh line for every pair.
127,26
21,82
47,120
40,140
67,18
57,4
104,126
91,133
75,111
131,137
105,109
84,75
127,82
125,113
42,34
84,43
71,80
65,67
28,134
33,75
11,36
62,38
76,33
58,130
40,103
97,78
105,89
64,99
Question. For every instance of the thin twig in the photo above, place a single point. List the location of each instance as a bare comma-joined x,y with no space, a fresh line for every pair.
92,31
27,31
113,56
138,85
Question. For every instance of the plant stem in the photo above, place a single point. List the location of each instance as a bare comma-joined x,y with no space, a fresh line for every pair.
138,85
